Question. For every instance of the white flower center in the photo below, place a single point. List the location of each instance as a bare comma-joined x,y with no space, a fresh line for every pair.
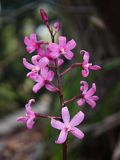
68,127
88,64
62,50
35,69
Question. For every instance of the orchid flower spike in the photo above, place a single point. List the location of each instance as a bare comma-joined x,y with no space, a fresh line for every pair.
30,115
63,48
86,65
68,126
87,95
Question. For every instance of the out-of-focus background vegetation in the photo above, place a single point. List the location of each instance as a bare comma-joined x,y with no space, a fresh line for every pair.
94,24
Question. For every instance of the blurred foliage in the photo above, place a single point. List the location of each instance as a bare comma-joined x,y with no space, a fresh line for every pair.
15,89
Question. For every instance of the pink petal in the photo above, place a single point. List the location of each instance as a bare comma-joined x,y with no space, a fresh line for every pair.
95,67
57,124
51,87
53,47
27,64
77,119
30,122
81,102
77,133
65,115
32,75
54,54
50,76
44,73
62,137
31,49
62,41
40,52
43,62
94,98
26,40
33,37
68,55
85,56
91,102
35,59
70,45
22,119
60,61
85,72
38,86
91,91
84,88
28,106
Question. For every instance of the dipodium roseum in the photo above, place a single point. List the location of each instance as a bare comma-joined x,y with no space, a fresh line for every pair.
44,79
87,96
68,126
86,65
38,64
30,115
63,48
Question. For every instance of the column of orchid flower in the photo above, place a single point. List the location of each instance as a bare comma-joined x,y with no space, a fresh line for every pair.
45,64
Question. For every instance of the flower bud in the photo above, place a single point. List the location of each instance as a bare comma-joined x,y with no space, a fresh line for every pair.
43,15
57,26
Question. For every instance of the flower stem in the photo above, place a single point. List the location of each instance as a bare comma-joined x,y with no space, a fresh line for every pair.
70,68
72,99
64,145
38,115
65,150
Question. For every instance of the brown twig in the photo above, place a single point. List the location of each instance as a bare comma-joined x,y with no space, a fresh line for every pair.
72,99
38,115
71,67
64,145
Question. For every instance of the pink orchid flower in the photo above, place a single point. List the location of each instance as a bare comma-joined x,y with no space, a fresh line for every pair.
86,65
44,79
31,43
46,53
63,48
87,95
68,126
30,115
38,64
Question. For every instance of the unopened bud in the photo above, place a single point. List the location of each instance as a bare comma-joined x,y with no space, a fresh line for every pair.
57,26
43,15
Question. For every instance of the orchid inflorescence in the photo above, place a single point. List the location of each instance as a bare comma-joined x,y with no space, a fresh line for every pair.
45,65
